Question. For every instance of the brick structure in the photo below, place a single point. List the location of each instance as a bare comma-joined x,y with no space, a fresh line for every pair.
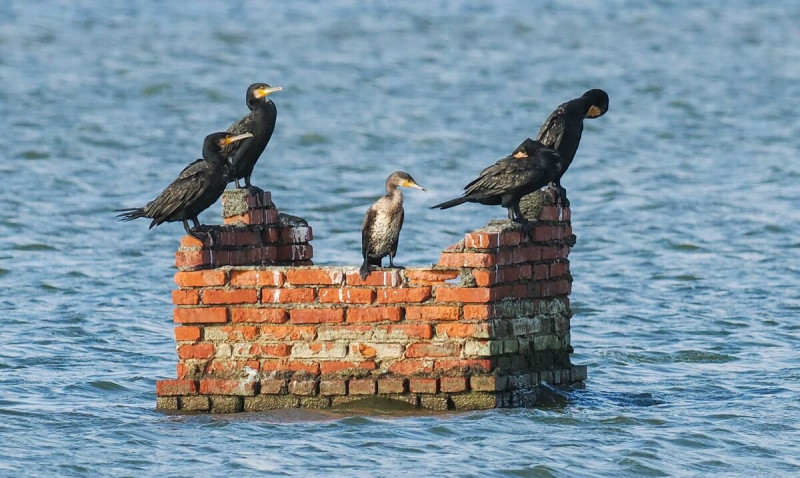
260,327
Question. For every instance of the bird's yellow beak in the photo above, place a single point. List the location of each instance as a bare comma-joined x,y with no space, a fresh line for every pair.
238,137
594,112
412,184
520,155
266,91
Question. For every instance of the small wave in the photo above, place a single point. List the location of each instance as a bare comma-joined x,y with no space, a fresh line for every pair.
33,247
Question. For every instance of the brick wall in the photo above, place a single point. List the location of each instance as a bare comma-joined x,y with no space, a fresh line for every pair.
259,327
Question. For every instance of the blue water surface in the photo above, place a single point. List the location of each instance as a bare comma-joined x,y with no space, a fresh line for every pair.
685,202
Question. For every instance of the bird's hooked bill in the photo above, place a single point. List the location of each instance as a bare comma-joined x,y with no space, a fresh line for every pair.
262,92
238,137
412,184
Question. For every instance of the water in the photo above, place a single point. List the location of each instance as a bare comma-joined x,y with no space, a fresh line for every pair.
685,203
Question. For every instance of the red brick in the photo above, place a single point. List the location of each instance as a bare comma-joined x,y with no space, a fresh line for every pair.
287,296
520,291
256,278
200,315
198,351
185,297
273,386
303,387
361,387
333,387
562,287
246,332
300,252
416,331
338,366
479,312
376,278
192,258
481,365
430,276
482,240
542,233
258,315
391,385
374,314
276,350
316,316
558,269
509,274
295,235
348,295
235,296
165,388
541,272
228,368
455,330
411,367
548,213
550,252
288,332
432,313
191,242
423,385
397,296
453,384
187,334
467,259
313,276
293,366
199,278
464,294
525,271
533,253
253,216
446,349
215,386
484,277
181,370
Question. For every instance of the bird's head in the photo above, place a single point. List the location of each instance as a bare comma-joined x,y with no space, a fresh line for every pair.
402,179
259,91
598,101
213,144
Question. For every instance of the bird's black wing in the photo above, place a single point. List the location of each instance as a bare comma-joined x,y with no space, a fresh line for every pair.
366,230
244,125
397,239
187,188
552,130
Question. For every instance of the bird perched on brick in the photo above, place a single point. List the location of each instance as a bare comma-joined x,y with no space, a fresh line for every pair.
197,187
260,122
380,231
562,130
530,167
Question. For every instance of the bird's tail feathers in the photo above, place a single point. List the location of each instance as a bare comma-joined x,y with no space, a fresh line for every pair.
130,214
364,270
451,203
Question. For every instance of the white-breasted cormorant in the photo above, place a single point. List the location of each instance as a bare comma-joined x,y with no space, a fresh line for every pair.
380,231
197,187
261,123
562,129
529,168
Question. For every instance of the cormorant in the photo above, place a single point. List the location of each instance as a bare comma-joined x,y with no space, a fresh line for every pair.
562,130
197,187
530,167
380,231
261,123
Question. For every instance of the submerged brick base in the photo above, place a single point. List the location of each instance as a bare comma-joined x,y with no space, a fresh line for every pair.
481,329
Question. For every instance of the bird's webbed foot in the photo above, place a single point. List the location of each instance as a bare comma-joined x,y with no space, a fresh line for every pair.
561,195
197,231
519,218
236,183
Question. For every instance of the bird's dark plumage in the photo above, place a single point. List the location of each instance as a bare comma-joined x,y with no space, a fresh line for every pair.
260,122
562,130
197,187
530,167
380,232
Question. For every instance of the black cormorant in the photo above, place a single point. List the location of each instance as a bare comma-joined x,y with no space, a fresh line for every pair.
530,167
261,123
198,186
380,231
562,129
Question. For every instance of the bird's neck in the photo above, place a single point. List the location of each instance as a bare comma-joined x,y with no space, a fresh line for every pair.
393,193
261,106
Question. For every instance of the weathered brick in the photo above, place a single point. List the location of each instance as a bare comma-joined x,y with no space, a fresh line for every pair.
273,386
430,276
390,278
280,365
303,387
234,296
432,312
403,332
313,276
175,387
191,242
333,387
185,297
298,252
455,330
361,386
391,385
197,403
296,235
200,315
288,332
258,315
210,386
374,314
337,366
245,278
467,259
197,351
444,349
167,403
482,240
411,367
483,348
397,296
434,403
487,383
200,278
319,350
485,277
188,259
479,312
453,384
287,296
475,365
464,294
348,295
423,385
316,316
187,334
